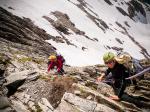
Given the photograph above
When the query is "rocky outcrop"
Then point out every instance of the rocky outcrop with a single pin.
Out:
(125, 32)
(5, 104)
(134, 8)
(22, 44)
(145, 1)
(22, 34)
(108, 1)
(63, 24)
(84, 104)
(84, 6)
(76, 91)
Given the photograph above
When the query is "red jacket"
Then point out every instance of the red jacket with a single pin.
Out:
(58, 64)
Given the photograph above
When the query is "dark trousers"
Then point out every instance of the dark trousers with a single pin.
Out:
(61, 72)
(137, 100)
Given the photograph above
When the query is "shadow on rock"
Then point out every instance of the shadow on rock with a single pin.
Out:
(12, 87)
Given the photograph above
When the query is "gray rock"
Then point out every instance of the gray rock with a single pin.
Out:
(101, 97)
(8, 109)
(103, 108)
(2, 81)
(77, 92)
(18, 76)
(35, 37)
(23, 97)
(26, 98)
(46, 103)
(91, 71)
(86, 105)
(105, 89)
(33, 77)
(4, 102)
(44, 108)
(67, 107)
(78, 77)
(90, 97)
(83, 104)
(31, 104)
(2, 67)
(19, 106)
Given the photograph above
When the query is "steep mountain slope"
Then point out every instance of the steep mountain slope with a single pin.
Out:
(21, 35)
(88, 28)
(25, 86)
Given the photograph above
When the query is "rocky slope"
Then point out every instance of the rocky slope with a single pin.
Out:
(26, 87)
(23, 35)
(33, 90)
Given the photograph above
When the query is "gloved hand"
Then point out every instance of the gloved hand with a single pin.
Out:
(99, 79)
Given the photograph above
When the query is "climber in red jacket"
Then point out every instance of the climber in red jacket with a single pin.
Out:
(56, 61)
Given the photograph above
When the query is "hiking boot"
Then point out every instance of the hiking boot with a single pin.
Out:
(132, 89)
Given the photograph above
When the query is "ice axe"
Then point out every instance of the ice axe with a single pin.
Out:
(139, 74)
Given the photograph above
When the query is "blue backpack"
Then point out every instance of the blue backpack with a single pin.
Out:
(129, 62)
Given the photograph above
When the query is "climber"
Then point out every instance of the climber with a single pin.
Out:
(56, 60)
(115, 75)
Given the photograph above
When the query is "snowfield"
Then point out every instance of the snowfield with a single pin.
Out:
(75, 55)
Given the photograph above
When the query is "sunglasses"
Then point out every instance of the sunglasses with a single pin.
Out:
(109, 62)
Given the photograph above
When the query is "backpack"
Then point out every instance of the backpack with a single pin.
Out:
(132, 64)
(60, 57)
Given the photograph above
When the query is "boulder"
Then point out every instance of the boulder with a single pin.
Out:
(100, 97)
(19, 76)
(4, 102)
(86, 105)
(67, 107)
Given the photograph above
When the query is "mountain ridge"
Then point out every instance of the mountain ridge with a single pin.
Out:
(25, 86)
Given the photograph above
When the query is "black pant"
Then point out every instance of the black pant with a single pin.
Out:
(137, 100)
(61, 72)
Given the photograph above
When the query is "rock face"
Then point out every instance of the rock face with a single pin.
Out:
(85, 105)
(21, 44)
(5, 104)
(63, 24)
(22, 34)
(77, 91)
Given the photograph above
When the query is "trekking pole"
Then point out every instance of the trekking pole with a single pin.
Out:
(139, 74)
